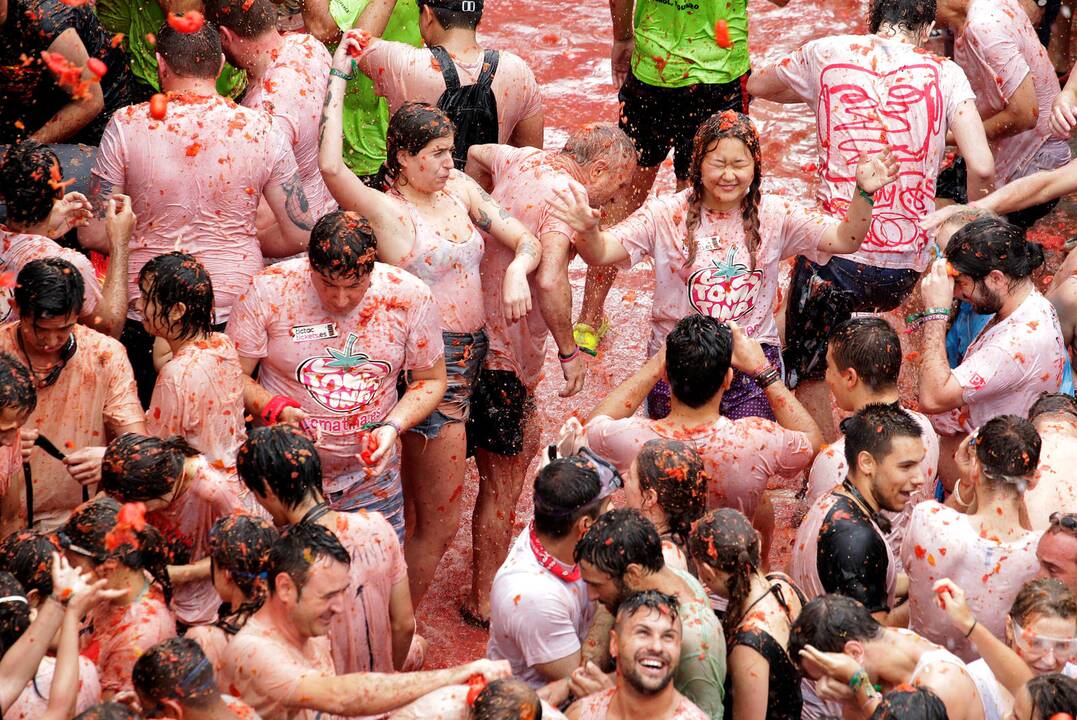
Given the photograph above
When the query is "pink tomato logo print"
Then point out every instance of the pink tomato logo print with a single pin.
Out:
(345, 380)
(726, 291)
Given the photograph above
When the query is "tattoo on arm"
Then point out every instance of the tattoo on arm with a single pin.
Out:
(529, 246)
(100, 193)
(483, 220)
(295, 203)
(324, 119)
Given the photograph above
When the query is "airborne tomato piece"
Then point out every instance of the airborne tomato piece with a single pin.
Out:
(189, 22)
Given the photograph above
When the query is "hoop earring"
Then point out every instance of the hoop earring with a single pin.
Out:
(957, 495)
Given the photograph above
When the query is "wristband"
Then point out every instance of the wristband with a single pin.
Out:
(975, 622)
(859, 678)
(570, 357)
(271, 412)
(337, 73)
(395, 426)
(767, 378)
(928, 312)
(866, 195)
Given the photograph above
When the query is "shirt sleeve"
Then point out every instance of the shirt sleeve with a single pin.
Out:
(802, 230)
(542, 629)
(424, 345)
(784, 452)
(991, 371)
(637, 233)
(619, 441)
(1003, 57)
(851, 560)
(798, 71)
(248, 326)
(110, 164)
(531, 96)
(166, 414)
(281, 157)
(957, 89)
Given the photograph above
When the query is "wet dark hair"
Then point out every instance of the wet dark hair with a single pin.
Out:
(86, 533)
(507, 699)
(725, 541)
(620, 538)
(727, 124)
(1053, 693)
(676, 473)
(283, 459)
(992, 244)
(14, 614)
(565, 490)
(872, 429)
(828, 622)
(1043, 596)
(1053, 404)
(908, 14)
(27, 554)
(241, 544)
(1008, 448)
(17, 388)
(652, 600)
(342, 245)
(194, 54)
(870, 346)
(49, 288)
(245, 18)
(298, 549)
(455, 19)
(906, 702)
(175, 278)
(414, 126)
(29, 177)
(176, 669)
(108, 711)
(699, 350)
(137, 467)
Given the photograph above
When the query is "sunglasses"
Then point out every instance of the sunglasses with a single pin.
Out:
(1036, 646)
(1067, 522)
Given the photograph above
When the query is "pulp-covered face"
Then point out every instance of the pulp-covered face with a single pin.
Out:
(836, 383)
(647, 649)
(340, 295)
(11, 419)
(47, 335)
(1057, 553)
(899, 473)
(428, 170)
(727, 173)
(984, 301)
(602, 587)
(1046, 643)
(321, 598)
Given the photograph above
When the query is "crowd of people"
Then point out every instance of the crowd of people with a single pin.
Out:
(275, 271)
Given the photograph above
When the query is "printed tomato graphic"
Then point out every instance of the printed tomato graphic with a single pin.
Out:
(726, 291)
(343, 381)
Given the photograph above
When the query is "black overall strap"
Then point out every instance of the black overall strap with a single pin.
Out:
(489, 67)
(448, 68)
(29, 495)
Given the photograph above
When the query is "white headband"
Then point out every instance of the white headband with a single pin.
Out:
(14, 598)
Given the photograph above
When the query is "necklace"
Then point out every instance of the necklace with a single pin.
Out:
(876, 518)
(551, 563)
(48, 378)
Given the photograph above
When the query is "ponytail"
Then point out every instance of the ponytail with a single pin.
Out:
(137, 468)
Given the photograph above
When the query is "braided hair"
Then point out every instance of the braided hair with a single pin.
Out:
(718, 127)
(725, 541)
(240, 544)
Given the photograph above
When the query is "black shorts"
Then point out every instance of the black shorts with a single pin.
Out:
(952, 185)
(660, 118)
(500, 407)
(822, 297)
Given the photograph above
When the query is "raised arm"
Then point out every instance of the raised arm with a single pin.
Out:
(1030, 190)
(319, 22)
(594, 246)
(971, 139)
(765, 83)
(939, 388)
(85, 104)
(873, 173)
(625, 399)
(111, 312)
(375, 16)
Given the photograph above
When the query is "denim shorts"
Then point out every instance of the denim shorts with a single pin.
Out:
(743, 398)
(464, 353)
(383, 494)
(821, 297)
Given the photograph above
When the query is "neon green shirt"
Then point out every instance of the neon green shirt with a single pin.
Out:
(138, 18)
(675, 44)
(366, 114)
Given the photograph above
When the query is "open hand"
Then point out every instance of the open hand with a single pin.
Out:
(839, 666)
(621, 60)
(573, 209)
(937, 287)
(73, 211)
(876, 171)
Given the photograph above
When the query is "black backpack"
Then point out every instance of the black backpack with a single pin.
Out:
(472, 108)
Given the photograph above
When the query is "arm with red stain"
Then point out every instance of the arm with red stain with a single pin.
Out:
(1020, 113)
(554, 299)
(873, 173)
(971, 138)
(595, 246)
(625, 399)
(767, 83)
(750, 673)
(76, 114)
(375, 16)
(939, 388)
(111, 312)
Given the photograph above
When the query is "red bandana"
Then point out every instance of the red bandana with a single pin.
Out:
(551, 563)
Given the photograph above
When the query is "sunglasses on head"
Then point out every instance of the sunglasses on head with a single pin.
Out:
(1067, 521)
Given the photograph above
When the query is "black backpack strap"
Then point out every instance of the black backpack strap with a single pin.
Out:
(489, 67)
(29, 495)
(448, 68)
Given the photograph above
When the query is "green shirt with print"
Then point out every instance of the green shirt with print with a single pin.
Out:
(366, 114)
(675, 44)
(701, 673)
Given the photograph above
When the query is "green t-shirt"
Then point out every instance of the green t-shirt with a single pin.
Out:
(138, 18)
(675, 44)
(366, 114)
(701, 673)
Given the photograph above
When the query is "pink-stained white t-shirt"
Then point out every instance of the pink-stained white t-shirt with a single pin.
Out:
(943, 543)
(199, 396)
(213, 642)
(719, 282)
(402, 73)
(362, 636)
(1011, 362)
(525, 182)
(185, 524)
(1055, 489)
(597, 706)
(450, 266)
(869, 93)
(292, 90)
(195, 180)
(535, 617)
(19, 249)
(998, 48)
(341, 369)
(123, 633)
(93, 398)
(740, 455)
(266, 669)
(830, 469)
(450, 703)
(30, 705)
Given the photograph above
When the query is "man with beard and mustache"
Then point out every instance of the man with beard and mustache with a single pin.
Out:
(646, 643)
(621, 554)
(1018, 355)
